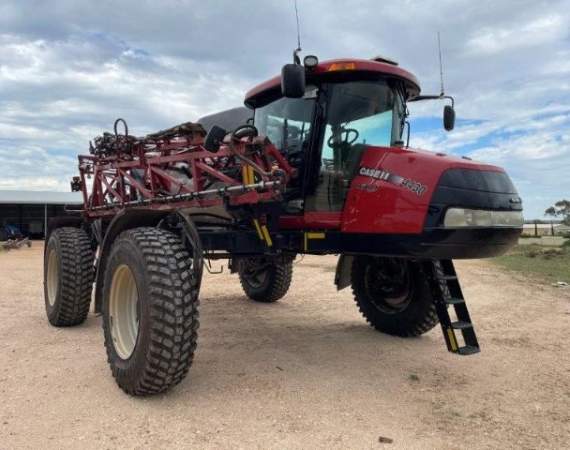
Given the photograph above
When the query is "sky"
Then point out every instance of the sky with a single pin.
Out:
(68, 68)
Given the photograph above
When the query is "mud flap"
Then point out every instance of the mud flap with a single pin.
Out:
(342, 277)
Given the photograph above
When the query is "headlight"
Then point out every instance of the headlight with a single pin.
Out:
(461, 217)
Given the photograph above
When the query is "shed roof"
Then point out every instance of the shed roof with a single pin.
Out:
(39, 197)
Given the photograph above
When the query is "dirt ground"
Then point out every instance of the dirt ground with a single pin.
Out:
(306, 372)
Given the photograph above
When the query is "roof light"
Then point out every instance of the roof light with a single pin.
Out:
(310, 61)
(341, 66)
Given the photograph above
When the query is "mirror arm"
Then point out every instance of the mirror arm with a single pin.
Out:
(419, 98)
(449, 97)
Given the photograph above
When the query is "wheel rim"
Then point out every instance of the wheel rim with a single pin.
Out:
(255, 271)
(389, 285)
(123, 311)
(52, 276)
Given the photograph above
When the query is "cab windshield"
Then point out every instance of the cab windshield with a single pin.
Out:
(361, 112)
(352, 115)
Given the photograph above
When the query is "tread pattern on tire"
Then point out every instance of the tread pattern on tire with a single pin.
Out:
(280, 280)
(419, 325)
(75, 277)
(173, 297)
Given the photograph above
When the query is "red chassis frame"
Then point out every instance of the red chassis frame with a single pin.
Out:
(263, 175)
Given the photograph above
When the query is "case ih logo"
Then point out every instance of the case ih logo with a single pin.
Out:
(383, 175)
(375, 173)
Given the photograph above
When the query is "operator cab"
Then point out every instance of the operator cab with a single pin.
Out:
(345, 107)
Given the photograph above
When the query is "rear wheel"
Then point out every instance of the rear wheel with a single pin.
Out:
(264, 279)
(68, 276)
(393, 295)
(150, 310)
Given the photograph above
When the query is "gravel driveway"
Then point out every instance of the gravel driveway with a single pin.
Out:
(306, 372)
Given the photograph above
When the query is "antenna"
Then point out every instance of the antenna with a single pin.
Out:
(440, 63)
(295, 56)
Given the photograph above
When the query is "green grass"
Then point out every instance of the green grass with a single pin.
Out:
(549, 263)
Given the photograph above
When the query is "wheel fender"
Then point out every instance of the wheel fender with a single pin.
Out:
(194, 244)
(124, 220)
(343, 270)
(128, 219)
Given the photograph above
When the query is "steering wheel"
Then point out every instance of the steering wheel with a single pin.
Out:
(246, 130)
(348, 139)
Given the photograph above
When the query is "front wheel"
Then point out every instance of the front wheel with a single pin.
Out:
(265, 280)
(150, 310)
(393, 295)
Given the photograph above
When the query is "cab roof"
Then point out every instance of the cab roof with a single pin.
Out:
(347, 68)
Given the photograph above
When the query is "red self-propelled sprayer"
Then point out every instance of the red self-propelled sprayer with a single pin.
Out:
(317, 163)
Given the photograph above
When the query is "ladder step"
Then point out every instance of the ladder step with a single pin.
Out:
(454, 301)
(447, 291)
(468, 350)
(460, 325)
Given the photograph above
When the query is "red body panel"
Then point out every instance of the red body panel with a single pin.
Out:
(388, 206)
(380, 206)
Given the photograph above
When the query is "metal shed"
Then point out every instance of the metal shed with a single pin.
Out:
(29, 211)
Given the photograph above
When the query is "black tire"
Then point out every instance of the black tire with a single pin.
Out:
(68, 276)
(166, 311)
(393, 295)
(265, 280)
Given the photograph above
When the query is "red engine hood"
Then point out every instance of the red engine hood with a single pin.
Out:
(392, 190)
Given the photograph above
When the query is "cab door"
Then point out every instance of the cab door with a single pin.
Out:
(355, 115)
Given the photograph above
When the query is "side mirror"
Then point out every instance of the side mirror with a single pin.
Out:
(293, 81)
(448, 117)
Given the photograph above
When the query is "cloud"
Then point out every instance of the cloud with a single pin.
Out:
(535, 150)
(539, 31)
(69, 68)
